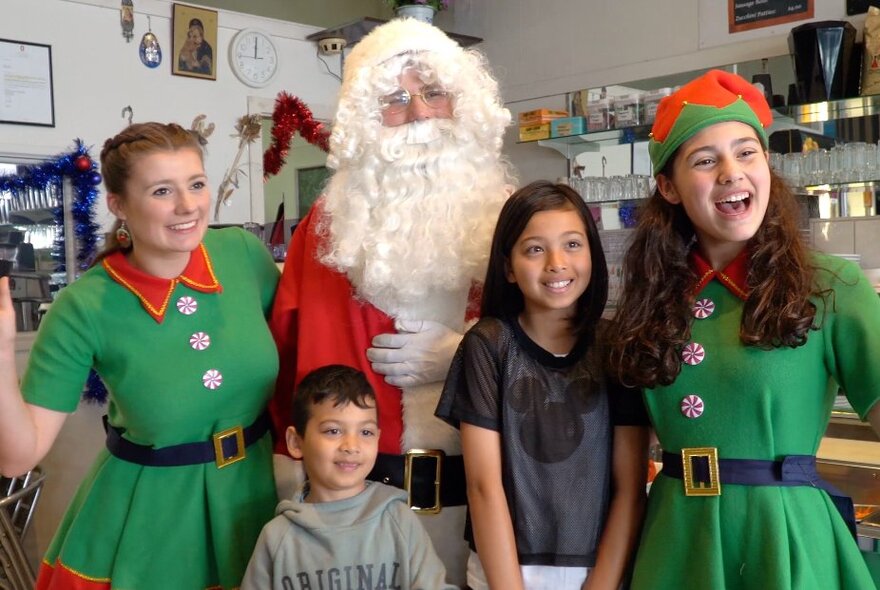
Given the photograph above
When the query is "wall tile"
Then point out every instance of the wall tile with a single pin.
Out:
(835, 236)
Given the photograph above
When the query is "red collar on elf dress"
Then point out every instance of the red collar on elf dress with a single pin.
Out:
(734, 277)
(154, 293)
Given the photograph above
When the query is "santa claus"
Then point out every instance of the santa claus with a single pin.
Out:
(383, 272)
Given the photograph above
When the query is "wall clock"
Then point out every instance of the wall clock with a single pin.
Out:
(253, 57)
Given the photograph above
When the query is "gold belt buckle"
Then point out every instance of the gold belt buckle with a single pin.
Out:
(219, 437)
(699, 488)
(412, 455)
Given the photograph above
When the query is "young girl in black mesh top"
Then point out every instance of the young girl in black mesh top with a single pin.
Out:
(555, 455)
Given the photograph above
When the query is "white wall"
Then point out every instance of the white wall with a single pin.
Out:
(97, 74)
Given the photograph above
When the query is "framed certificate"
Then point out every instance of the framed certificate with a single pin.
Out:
(26, 83)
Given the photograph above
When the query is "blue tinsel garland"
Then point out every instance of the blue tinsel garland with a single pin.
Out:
(85, 179)
(82, 170)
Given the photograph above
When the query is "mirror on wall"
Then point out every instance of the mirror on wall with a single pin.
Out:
(27, 221)
(28, 232)
(298, 183)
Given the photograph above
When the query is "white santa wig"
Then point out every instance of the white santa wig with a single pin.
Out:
(412, 208)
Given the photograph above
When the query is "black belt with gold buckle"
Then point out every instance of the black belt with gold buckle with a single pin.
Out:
(224, 448)
(431, 478)
(703, 473)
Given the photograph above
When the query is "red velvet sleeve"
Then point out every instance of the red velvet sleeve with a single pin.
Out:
(284, 325)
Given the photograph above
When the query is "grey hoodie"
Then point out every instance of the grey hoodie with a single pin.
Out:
(371, 541)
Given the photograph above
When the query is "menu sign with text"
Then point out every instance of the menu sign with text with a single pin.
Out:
(746, 15)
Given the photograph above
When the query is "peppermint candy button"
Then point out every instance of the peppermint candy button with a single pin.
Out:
(703, 308)
(212, 379)
(187, 305)
(200, 341)
(693, 353)
(692, 406)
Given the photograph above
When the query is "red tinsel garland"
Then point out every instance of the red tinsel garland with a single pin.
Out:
(291, 115)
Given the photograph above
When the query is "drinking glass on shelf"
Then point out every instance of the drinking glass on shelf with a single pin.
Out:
(871, 167)
(859, 161)
(876, 163)
(598, 189)
(646, 186)
(615, 188)
(630, 187)
(776, 162)
(822, 166)
(579, 184)
(840, 163)
(792, 166)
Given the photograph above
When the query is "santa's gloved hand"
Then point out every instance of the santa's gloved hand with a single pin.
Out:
(420, 353)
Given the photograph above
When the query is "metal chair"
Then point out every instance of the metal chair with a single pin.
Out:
(18, 500)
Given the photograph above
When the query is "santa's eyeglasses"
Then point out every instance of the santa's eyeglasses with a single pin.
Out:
(399, 100)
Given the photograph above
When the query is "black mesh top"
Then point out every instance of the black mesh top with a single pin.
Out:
(555, 416)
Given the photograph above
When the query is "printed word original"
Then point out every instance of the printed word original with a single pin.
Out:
(358, 577)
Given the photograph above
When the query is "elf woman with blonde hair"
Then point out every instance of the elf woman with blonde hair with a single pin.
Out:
(173, 319)
(742, 338)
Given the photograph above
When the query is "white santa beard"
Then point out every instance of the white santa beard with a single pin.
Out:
(411, 225)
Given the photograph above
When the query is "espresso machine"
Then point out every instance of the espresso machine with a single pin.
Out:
(827, 63)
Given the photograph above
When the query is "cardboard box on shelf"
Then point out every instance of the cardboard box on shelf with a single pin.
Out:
(567, 126)
(540, 116)
(534, 132)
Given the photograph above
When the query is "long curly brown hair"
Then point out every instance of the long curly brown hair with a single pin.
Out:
(653, 320)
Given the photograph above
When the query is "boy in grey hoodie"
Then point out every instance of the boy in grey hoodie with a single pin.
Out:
(341, 531)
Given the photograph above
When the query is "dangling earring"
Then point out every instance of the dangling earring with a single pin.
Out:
(123, 237)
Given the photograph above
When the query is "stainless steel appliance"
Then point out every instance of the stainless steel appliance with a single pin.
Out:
(30, 298)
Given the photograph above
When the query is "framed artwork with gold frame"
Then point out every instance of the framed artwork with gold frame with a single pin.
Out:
(193, 42)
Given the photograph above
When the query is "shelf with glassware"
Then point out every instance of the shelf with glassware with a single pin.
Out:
(593, 141)
(845, 178)
(846, 108)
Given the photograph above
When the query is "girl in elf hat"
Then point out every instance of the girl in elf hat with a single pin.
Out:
(742, 338)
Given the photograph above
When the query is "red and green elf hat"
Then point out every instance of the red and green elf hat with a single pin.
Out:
(715, 97)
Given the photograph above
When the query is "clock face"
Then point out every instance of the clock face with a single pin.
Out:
(253, 57)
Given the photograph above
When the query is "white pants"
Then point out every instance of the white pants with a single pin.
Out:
(535, 577)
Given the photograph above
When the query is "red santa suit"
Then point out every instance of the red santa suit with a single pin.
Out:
(317, 321)
(384, 263)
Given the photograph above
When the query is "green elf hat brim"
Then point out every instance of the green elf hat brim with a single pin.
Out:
(715, 97)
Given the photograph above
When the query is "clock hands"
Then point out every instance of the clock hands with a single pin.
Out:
(256, 56)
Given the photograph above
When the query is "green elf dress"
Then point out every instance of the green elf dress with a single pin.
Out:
(752, 403)
(182, 359)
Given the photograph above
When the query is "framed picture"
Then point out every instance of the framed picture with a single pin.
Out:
(26, 83)
(193, 42)
(309, 184)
